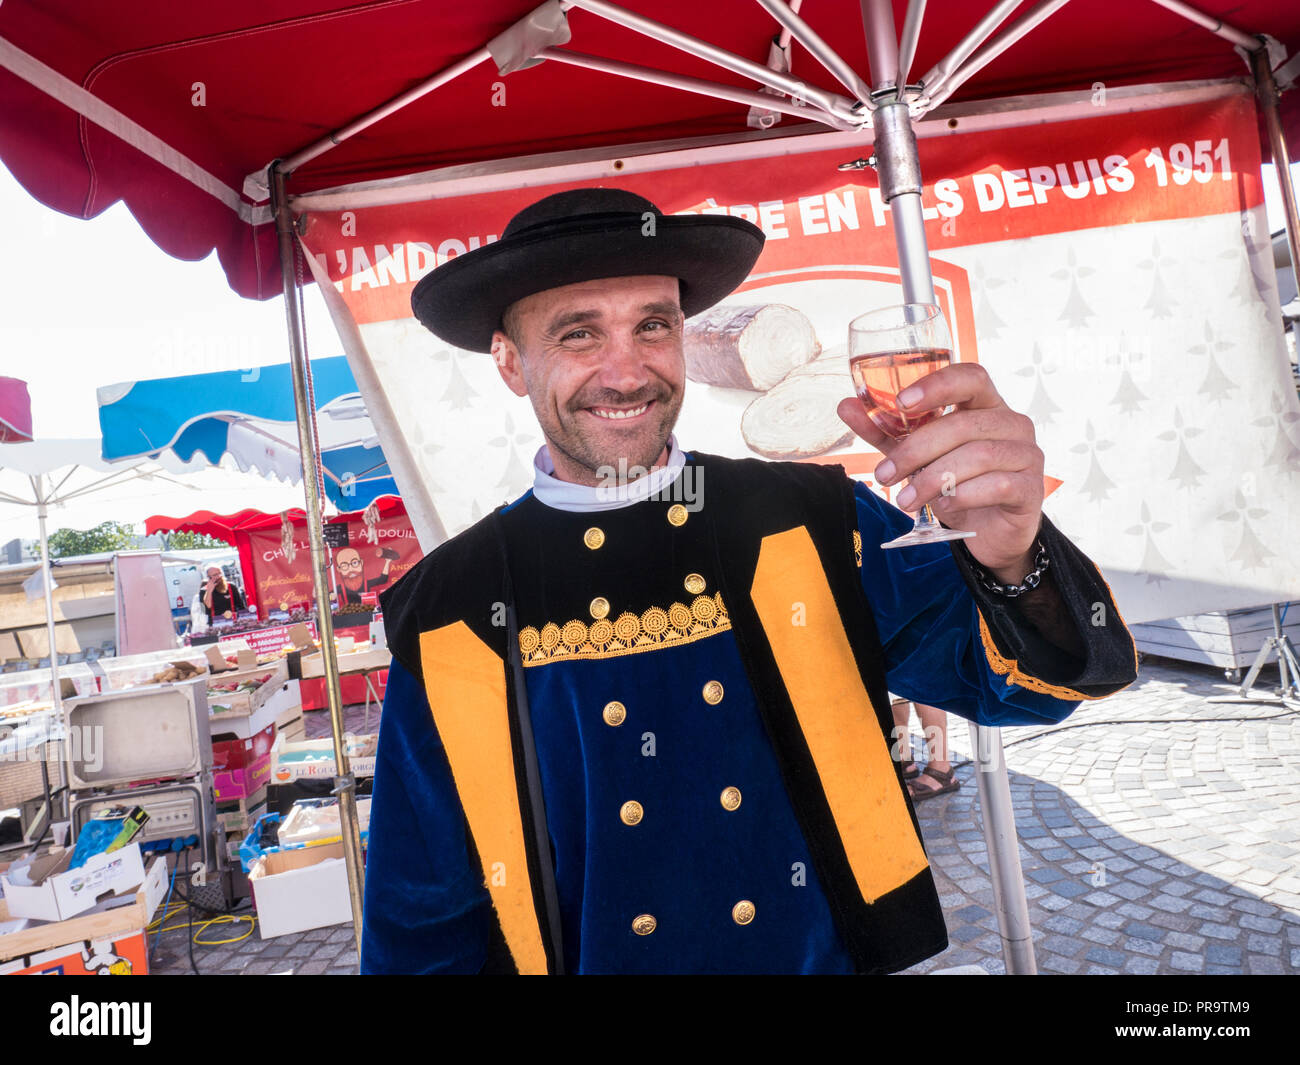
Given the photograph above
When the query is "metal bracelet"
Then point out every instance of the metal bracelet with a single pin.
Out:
(1013, 591)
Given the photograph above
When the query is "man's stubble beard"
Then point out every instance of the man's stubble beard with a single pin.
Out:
(602, 461)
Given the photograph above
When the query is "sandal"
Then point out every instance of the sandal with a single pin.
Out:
(947, 782)
(909, 770)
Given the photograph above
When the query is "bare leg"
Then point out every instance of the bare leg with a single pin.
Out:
(934, 724)
(901, 741)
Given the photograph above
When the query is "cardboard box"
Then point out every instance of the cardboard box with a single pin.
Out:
(115, 937)
(62, 893)
(242, 766)
(359, 661)
(314, 759)
(240, 815)
(291, 724)
(126, 954)
(300, 889)
(312, 825)
(282, 701)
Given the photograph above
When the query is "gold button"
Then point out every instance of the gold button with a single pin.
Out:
(631, 813)
(644, 924)
(713, 693)
(730, 798)
(599, 607)
(677, 514)
(694, 583)
(615, 713)
(594, 537)
(742, 912)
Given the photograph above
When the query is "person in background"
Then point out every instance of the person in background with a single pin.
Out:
(938, 776)
(221, 599)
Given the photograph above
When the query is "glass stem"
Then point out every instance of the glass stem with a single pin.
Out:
(926, 519)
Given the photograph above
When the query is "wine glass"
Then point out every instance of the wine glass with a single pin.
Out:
(890, 349)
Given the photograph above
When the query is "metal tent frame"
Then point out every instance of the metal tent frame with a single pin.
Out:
(882, 111)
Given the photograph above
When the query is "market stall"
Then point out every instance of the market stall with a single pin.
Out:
(373, 548)
(179, 748)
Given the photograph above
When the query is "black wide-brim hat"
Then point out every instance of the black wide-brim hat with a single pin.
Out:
(583, 235)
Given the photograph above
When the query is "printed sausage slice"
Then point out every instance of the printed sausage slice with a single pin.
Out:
(752, 347)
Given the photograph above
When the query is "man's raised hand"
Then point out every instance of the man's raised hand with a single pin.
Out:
(978, 467)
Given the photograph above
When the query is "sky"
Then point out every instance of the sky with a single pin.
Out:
(91, 303)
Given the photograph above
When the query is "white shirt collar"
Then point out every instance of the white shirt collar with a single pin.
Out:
(565, 495)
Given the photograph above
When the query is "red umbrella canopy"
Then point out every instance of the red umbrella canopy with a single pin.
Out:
(15, 411)
(233, 86)
(228, 527)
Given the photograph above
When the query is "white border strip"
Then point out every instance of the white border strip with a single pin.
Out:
(420, 506)
(91, 107)
(597, 164)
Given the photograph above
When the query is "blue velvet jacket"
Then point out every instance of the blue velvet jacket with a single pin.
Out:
(658, 740)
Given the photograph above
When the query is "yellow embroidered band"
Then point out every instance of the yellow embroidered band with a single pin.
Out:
(625, 635)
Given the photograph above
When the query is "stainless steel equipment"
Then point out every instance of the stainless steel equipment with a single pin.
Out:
(176, 811)
(158, 732)
(158, 738)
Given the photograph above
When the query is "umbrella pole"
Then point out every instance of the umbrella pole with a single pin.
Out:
(1266, 93)
(344, 783)
(38, 483)
(900, 187)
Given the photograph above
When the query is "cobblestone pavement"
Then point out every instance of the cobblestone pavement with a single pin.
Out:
(1162, 836)
(1167, 842)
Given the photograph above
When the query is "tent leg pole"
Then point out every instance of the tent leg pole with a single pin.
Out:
(999, 820)
(345, 783)
(1266, 95)
(56, 695)
(900, 187)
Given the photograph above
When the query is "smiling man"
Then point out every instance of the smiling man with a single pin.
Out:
(622, 735)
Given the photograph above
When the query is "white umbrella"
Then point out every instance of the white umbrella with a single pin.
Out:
(53, 473)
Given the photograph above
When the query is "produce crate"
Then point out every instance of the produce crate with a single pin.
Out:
(247, 700)
(246, 713)
(314, 759)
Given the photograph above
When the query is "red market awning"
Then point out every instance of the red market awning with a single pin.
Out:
(236, 529)
(219, 92)
(15, 411)
(228, 527)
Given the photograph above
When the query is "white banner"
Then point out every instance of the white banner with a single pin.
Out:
(1112, 273)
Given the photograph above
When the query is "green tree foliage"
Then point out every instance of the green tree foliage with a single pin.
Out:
(191, 541)
(106, 536)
